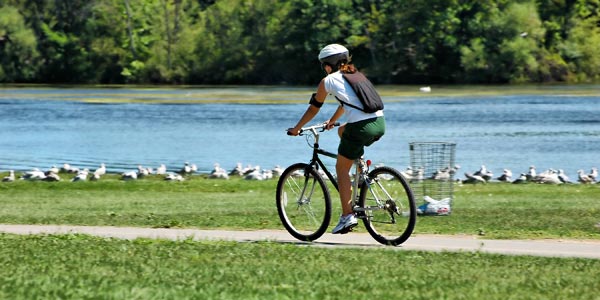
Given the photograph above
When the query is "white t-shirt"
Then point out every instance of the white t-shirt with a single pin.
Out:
(336, 85)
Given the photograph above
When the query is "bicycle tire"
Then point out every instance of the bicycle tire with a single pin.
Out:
(392, 221)
(308, 215)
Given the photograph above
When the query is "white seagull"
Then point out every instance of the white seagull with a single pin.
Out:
(161, 170)
(81, 176)
(484, 173)
(267, 174)
(130, 175)
(53, 169)
(187, 169)
(142, 172)
(100, 171)
(248, 169)
(10, 177)
(237, 171)
(563, 177)
(407, 174)
(443, 174)
(532, 173)
(51, 176)
(522, 179)
(174, 177)
(277, 171)
(218, 173)
(418, 174)
(34, 174)
(472, 178)
(66, 168)
(593, 174)
(506, 176)
(584, 178)
(255, 174)
(548, 177)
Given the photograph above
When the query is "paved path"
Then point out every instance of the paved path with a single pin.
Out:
(551, 248)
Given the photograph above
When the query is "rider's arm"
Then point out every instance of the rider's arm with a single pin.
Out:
(312, 109)
(336, 115)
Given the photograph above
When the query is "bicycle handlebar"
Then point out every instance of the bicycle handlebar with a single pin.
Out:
(321, 127)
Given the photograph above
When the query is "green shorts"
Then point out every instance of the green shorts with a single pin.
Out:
(360, 134)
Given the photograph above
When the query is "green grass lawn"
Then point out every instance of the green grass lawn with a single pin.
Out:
(84, 267)
(495, 210)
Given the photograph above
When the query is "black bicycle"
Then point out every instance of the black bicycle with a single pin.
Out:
(381, 197)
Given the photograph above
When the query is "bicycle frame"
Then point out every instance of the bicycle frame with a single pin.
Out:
(316, 161)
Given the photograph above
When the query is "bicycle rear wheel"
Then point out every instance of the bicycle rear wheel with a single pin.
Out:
(390, 212)
(303, 202)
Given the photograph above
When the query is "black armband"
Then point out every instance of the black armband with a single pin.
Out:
(313, 101)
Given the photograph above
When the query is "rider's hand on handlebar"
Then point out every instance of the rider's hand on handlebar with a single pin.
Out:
(293, 131)
(329, 124)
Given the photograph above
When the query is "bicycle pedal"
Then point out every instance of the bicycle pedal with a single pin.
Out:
(347, 230)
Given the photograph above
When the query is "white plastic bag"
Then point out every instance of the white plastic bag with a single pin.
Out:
(435, 207)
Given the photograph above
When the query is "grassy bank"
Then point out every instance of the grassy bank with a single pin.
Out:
(83, 267)
(492, 210)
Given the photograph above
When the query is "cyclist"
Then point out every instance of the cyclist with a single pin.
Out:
(362, 129)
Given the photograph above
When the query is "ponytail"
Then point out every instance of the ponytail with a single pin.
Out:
(347, 68)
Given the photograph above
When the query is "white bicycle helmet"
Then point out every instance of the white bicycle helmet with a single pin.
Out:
(332, 54)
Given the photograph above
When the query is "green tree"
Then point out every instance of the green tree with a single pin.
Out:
(555, 15)
(309, 26)
(220, 50)
(110, 46)
(173, 31)
(268, 41)
(18, 54)
(580, 50)
(508, 48)
(251, 47)
(65, 44)
(420, 41)
(124, 34)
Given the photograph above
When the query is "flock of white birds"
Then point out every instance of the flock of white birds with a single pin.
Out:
(53, 174)
(549, 176)
(484, 175)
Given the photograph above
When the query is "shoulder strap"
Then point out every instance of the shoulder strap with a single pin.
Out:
(354, 78)
(346, 103)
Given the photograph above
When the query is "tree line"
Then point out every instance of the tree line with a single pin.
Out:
(277, 42)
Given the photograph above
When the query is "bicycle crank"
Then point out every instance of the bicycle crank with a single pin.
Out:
(392, 208)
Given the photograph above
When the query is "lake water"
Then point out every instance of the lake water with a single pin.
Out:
(44, 127)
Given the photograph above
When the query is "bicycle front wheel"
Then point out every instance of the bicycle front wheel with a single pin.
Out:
(303, 202)
(389, 207)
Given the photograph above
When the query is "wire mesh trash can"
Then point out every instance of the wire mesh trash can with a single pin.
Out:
(431, 176)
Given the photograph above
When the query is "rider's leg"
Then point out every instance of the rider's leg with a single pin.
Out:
(347, 219)
(342, 168)
(341, 130)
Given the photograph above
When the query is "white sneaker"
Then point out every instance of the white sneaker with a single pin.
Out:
(346, 223)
